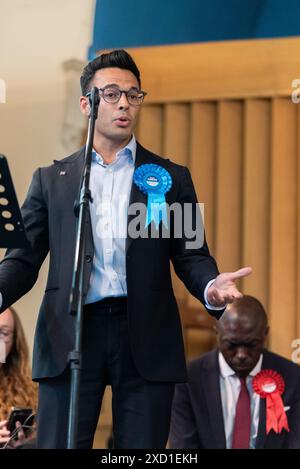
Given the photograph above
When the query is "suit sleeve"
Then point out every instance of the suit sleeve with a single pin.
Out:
(293, 437)
(20, 267)
(183, 429)
(193, 264)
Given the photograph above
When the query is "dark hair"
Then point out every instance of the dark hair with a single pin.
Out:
(117, 58)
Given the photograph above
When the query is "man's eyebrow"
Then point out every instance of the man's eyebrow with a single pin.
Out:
(115, 85)
(111, 84)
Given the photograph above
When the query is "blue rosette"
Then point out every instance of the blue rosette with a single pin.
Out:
(154, 181)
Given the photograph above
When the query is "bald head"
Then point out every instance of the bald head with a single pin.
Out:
(247, 311)
(241, 334)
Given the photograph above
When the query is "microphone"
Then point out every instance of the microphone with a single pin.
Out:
(94, 100)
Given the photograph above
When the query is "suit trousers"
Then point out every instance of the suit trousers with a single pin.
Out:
(141, 409)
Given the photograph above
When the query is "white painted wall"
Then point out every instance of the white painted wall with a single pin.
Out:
(36, 37)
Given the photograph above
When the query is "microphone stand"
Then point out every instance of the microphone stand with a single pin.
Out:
(81, 209)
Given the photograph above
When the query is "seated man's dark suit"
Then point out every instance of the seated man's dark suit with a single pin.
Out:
(197, 417)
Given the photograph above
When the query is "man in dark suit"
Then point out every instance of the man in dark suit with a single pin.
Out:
(131, 330)
(206, 408)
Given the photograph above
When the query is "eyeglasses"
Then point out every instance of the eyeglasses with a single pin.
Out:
(112, 95)
(6, 335)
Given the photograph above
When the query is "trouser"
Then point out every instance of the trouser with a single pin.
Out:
(141, 409)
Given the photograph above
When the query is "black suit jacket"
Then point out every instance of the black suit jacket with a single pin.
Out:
(197, 417)
(154, 323)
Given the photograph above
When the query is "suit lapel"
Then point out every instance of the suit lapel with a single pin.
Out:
(212, 394)
(70, 172)
(261, 433)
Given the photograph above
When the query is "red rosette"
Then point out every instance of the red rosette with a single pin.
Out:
(270, 385)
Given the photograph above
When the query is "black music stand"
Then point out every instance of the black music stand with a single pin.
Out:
(12, 232)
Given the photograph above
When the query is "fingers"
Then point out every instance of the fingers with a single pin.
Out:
(21, 434)
(215, 298)
(220, 298)
(243, 272)
(231, 296)
(4, 433)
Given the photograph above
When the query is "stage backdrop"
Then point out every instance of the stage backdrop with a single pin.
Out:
(158, 22)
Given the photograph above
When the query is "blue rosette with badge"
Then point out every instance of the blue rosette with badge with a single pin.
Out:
(154, 181)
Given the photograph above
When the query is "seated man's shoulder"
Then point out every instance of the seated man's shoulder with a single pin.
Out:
(207, 361)
(282, 365)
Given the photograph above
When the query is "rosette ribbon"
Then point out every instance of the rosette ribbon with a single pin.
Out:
(154, 181)
(270, 385)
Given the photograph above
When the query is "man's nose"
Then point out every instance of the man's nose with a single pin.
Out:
(241, 354)
(123, 102)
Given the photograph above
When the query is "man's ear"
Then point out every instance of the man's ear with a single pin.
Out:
(84, 105)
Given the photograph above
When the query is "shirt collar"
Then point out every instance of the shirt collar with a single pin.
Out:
(226, 370)
(129, 150)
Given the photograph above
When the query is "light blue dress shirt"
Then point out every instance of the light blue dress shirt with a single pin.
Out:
(110, 186)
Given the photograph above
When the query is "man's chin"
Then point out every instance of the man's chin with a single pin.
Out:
(242, 370)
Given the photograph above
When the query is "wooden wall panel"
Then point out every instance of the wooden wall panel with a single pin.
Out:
(176, 141)
(202, 165)
(150, 127)
(283, 273)
(256, 198)
(229, 185)
(177, 146)
(219, 70)
(297, 311)
(203, 144)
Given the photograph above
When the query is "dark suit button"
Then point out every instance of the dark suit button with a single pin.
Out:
(88, 258)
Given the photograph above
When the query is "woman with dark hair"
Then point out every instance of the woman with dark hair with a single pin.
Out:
(16, 387)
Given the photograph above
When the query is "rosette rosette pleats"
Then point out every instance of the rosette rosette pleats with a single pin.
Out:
(154, 181)
(270, 385)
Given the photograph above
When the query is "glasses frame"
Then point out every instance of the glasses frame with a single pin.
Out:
(101, 91)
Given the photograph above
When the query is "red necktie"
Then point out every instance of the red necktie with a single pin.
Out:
(242, 422)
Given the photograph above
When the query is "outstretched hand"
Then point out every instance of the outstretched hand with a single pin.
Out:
(223, 290)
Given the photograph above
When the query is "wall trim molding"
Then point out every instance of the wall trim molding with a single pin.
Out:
(219, 70)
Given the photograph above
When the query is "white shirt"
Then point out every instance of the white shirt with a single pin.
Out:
(230, 388)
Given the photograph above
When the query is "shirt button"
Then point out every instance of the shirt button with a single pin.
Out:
(88, 258)
(108, 251)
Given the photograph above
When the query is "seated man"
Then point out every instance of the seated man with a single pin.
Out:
(218, 407)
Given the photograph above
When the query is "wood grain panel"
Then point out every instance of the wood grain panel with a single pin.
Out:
(222, 70)
(203, 137)
(283, 227)
(229, 186)
(256, 200)
(176, 147)
(150, 127)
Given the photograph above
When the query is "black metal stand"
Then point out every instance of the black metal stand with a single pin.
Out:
(81, 209)
(12, 232)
